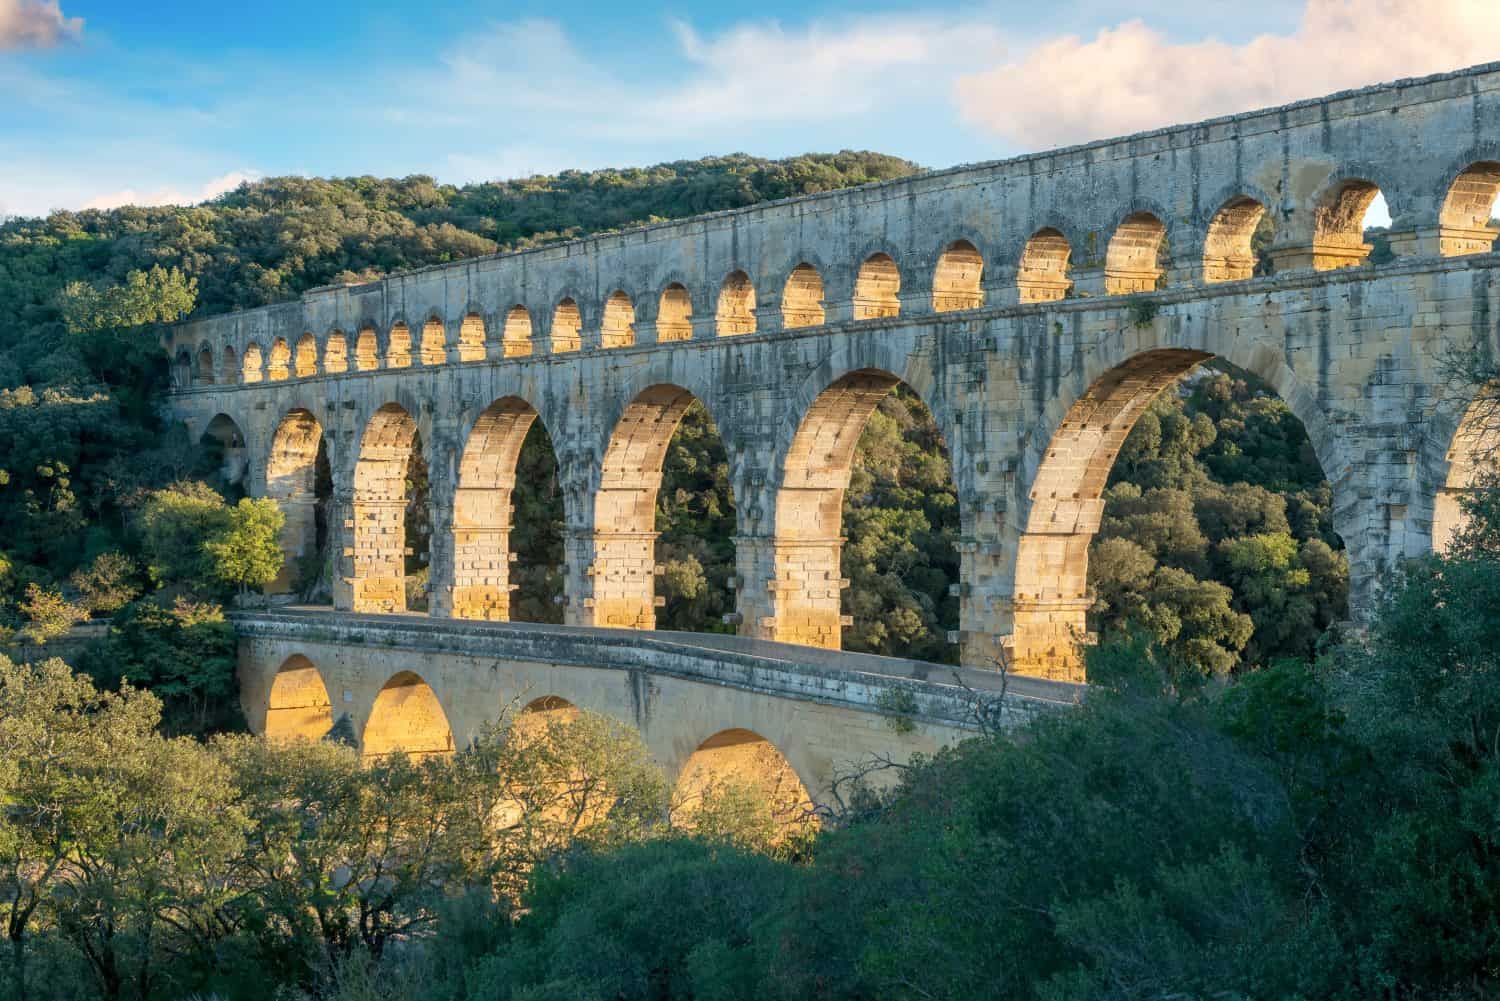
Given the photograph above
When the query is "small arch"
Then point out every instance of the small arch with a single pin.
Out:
(674, 314)
(398, 348)
(367, 350)
(566, 324)
(1465, 222)
(540, 715)
(407, 718)
(299, 707)
(336, 354)
(306, 362)
(292, 481)
(471, 338)
(224, 437)
(1228, 249)
(434, 346)
(482, 510)
(802, 298)
(280, 364)
(1472, 459)
(736, 312)
(229, 365)
(205, 370)
(617, 329)
(741, 765)
(515, 337)
(182, 369)
(381, 489)
(1043, 276)
(956, 281)
(253, 369)
(1339, 226)
(1134, 261)
(877, 288)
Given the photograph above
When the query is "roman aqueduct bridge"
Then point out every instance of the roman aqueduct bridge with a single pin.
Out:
(1036, 305)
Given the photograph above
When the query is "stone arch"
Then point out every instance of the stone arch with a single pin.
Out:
(877, 288)
(956, 279)
(617, 327)
(204, 372)
(223, 435)
(741, 761)
(515, 338)
(471, 337)
(1133, 261)
(674, 314)
(1464, 223)
(1339, 224)
(482, 510)
(305, 363)
(380, 501)
(366, 350)
(539, 714)
(182, 369)
(1043, 276)
(567, 323)
(297, 447)
(407, 718)
(433, 348)
(253, 367)
(1228, 254)
(336, 354)
(1472, 457)
(802, 298)
(398, 346)
(299, 707)
(279, 362)
(736, 310)
(229, 365)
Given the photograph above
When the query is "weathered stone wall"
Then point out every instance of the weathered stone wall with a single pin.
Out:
(948, 282)
(301, 670)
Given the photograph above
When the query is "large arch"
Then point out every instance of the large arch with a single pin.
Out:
(802, 298)
(624, 536)
(482, 510)
(223, 435)
(299, 707)
(407, 718)
(1472, 458)
(742, 769)
(1464, 225)
(956, 280)
(297, 449)
(380, 503)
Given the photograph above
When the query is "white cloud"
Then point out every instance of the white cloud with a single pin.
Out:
(172, 195)
(35, 24)
(1132, 77)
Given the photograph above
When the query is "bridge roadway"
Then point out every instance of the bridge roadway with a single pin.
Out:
(429, 684)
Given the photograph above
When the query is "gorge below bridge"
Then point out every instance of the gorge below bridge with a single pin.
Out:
(1036, 306)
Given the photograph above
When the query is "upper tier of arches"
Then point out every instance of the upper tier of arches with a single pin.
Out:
(1139, 246)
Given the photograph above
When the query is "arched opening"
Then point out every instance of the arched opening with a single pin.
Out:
(877, 288)
(398, 349)
(515, 339)
(1339, 227)
(471, 338)
(253, 369)
(540, 715)
(298, 479)
(867, 455)
(434, 344)
(1136, 259)
(1043, 276)
(225, 444)
(566, 323)
(336, 354)
(205, 370)
(367, 350)
(955, 283)
(306, 362)
(802, 298)
(390, 515)
(628, 550)
(407, 719)
(1467, 224)
(617, 329)
(229, 365)
(736, 312)
(537, 531)
(674, 315)
(482, 510)
(182, 369)
(1473, 458)
(1229, 252)
(739, 780)
(280, 364)
(1198, 516)
(299, 707)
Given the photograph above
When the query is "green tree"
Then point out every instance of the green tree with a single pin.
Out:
(174, 525)
(247, 552)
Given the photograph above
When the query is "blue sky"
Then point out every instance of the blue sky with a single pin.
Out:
(113, 102)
